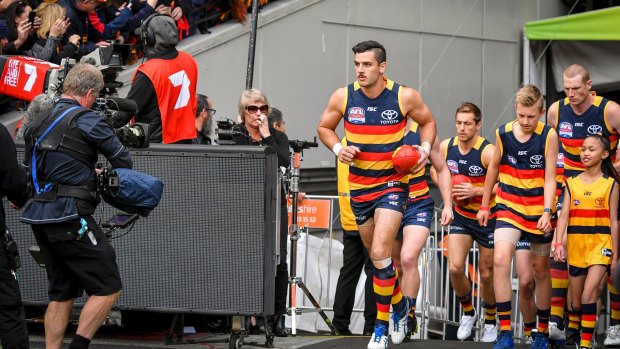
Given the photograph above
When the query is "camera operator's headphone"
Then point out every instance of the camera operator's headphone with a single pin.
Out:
(146, 34)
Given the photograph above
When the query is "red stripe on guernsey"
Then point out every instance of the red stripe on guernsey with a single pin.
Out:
(523, 174)
(614, 305)
(572, 142)
(521, 200)
(415, 187)
(476, 180)
(517, 219)
(368, 156)
(383, 308)
(589, 213)
(375, 129)
(384, 283)
(573, 164)
(372, 196)
(374, 180)
(471, 215)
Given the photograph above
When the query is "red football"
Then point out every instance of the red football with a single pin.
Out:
(405, 158)
(460, 179)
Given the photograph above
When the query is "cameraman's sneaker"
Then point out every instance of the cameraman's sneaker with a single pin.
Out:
(555, 333)
(540, 341)
(504, 341)
(489, 333)
(399, 321)
(613, 336)
(379, 339)
(467, 323)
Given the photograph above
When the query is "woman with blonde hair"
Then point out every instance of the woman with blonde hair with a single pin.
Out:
(50, 34)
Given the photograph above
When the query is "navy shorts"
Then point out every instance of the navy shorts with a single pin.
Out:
(418, 212)
(523, 244)
(393, 198)
(74, 266)
(578, 271)
(482, 235)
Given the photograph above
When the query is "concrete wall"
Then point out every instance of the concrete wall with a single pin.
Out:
(451, 51)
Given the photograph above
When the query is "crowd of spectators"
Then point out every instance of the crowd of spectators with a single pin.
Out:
(56, 29)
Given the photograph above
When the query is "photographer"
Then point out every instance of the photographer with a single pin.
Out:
(255, 130)
(62, 146)
(13, 184)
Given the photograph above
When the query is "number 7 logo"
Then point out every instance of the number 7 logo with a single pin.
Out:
(180, 78)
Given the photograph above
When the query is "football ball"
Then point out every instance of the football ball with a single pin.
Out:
(460, 179)
(405, 158)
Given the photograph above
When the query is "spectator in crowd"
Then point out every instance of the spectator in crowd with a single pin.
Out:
(354, 259)
(54, 25)
(13, 185)
(255, 130)
(82, 260)
(19, 28)
(204, 119)
(164, 87)
(77, 12)
(4, 33)
(110, 20)
(276, 121)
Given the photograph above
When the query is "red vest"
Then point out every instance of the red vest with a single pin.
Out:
(175, 82)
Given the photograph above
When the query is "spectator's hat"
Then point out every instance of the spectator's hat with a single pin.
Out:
(4, 30)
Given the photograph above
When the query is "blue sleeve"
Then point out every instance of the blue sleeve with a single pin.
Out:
(102, 135)
(118, 24)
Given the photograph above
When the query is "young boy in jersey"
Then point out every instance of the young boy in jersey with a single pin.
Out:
(525, 161)
(587, 234)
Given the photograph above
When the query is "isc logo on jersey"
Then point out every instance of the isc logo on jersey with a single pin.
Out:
(566, 130)
(357, 115)
(453, 166)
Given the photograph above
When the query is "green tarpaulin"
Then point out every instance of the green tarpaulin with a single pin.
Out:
(594, 25)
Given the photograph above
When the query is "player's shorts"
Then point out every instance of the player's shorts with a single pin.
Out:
(523, 244)
(391, 195)
(467, 226)
(577, 271)
(417, 212)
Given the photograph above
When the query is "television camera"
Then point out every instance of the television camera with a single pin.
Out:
(25, 78)
(226, 131)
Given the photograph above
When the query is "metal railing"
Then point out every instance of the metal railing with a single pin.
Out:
(440, 307)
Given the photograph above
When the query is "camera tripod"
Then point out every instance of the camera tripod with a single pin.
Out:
(294, 281)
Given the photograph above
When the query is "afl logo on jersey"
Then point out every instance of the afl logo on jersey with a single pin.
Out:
(357, 115)
(560, 160)
(576, 202)
(565, 130)
(594, 129)
(512, 160)
(475, 170)
(453, 166)
(389, 117)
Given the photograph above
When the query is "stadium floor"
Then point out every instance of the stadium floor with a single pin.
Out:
(257, 341)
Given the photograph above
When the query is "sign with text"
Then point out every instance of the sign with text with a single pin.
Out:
(311, 213)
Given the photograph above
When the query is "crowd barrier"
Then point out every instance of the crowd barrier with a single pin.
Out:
(438, 311)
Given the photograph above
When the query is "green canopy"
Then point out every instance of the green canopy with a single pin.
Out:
(593, 25)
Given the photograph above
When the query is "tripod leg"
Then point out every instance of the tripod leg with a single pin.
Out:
(317, 307)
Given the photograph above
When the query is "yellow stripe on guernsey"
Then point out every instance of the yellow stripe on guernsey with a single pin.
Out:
(347, 219)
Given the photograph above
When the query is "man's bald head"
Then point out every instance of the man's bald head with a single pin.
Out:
(577, 70)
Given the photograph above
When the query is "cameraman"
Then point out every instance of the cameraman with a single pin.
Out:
(13, 184)
(76, 252)
(164, 87)
(255, 130)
